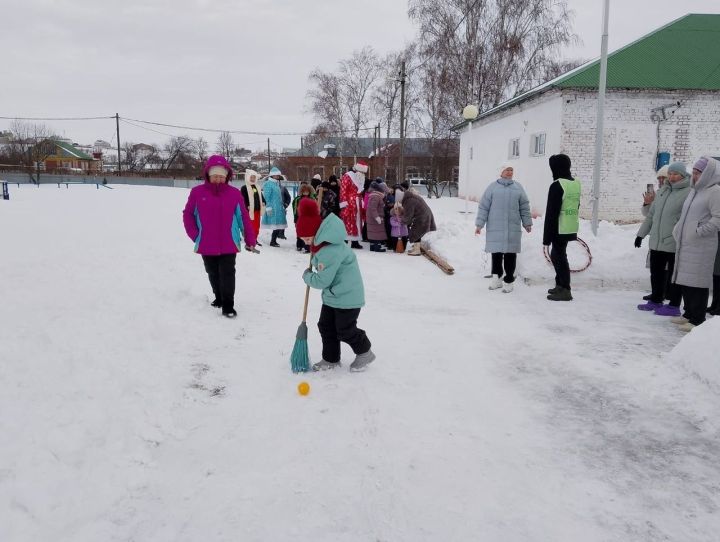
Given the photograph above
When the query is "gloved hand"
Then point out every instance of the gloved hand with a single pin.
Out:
(638, 242)
(378, 220)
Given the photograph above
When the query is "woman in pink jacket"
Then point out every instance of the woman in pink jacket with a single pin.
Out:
(215, 218)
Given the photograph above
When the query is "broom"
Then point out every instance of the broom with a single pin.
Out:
(300, 357)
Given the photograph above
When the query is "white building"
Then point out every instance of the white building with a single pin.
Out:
(663, 97)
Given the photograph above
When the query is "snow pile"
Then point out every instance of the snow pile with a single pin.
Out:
(698, 352)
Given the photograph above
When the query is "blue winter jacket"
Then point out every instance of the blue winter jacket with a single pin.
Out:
(503, 210)
(337, 271)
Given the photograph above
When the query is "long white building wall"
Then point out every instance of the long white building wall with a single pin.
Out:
(485, 144)
(631, 142)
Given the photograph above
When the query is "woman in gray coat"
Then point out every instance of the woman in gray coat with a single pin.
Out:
(661, 219)
(696, 234)
(504, 208)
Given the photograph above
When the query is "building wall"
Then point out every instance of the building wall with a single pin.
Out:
(485, 146)
(630, 141)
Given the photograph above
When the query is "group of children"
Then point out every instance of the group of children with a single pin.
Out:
(382, 214)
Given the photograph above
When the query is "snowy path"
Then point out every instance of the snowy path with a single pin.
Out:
(130, 411)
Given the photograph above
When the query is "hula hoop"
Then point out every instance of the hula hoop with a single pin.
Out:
(583, 244)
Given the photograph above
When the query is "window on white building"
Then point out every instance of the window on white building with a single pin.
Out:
(514, 148)
(537, 145)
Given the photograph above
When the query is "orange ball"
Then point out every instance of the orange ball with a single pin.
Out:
(303, 388)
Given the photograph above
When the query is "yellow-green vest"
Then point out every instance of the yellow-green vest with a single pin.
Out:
(569, 219)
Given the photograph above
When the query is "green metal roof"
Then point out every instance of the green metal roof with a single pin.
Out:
(684, 54)
(73, 151)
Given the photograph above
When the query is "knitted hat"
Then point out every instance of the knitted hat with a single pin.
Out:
(217, 170)
(214, 161)
(317, 176)
(308, 218)
(701, 164)
(361, 166)
(677, 167)
(662, 172)
(506, 165)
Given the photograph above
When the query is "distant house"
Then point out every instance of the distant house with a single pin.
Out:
(69, 159)
(662, 103)
(422, 159)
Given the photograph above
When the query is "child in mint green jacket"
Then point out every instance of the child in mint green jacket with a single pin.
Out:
(337, 274)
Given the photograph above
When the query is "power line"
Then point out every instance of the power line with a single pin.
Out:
(57, 118)
(242, 132)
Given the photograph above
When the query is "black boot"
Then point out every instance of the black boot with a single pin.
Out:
(562, 294)
(554, 290)
(273, 239)
(355, 244)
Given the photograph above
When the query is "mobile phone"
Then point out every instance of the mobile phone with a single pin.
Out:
(650, 188)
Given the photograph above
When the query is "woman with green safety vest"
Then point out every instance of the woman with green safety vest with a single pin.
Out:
(562, 222)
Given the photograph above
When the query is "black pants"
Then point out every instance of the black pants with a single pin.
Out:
(558, 257)
(715, 305)
(659, 262)
(508, 260)
(696, 300)
(221, 272)
(337, 325)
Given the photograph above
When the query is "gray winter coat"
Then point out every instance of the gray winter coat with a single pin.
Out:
(502, 211)
(418, 217)
(663, 215)
(696, 232)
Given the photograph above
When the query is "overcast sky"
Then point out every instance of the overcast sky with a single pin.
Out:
(225, 64)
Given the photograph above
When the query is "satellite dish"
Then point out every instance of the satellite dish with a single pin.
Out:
(323, 154)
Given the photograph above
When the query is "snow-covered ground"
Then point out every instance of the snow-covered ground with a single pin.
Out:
(131, 411)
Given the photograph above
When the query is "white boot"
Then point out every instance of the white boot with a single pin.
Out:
(495, 283)
(507, 287)
(415, 250)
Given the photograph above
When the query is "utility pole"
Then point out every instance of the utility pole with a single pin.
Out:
(268, 156)
(599, 124)
(401, 168)
(117, 130)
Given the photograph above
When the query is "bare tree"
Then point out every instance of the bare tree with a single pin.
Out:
(225, 144)
(386, 94)
(176, 152)
(201, 149)
(357, 77)
(31, 145)
(326, 101)
(495, 49)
